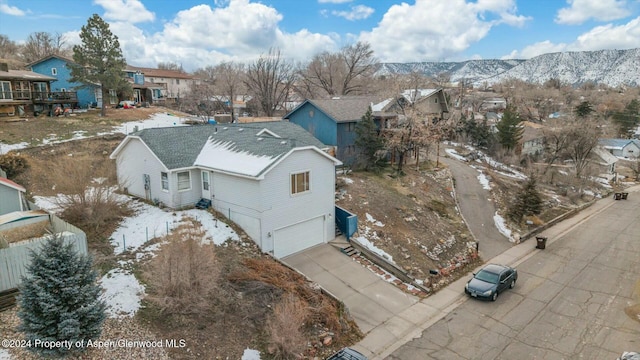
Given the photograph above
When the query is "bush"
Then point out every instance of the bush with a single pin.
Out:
(13, 164)
(185, 273)
(285, 328)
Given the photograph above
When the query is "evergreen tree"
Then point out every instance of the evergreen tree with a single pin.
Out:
(509, 129)
(527, 202)
(59, 299)
(584, 109)
(99, 60)
(369, 143)
(628, 119)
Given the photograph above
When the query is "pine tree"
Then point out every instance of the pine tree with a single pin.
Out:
(509, 129)
(59, 299)
(584, 109)
(527, 202)
(628, 119)
(368, 142)
(99, 60)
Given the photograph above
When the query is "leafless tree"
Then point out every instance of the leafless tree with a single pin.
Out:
(269, 80)
(41, 44)
(229, 82)
(341, 73)
(170, 66)
(582, 141)
(9, 51)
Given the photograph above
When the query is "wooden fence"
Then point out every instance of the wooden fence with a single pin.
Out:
(15, 258)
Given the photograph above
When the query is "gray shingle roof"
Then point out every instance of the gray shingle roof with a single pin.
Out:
(179, 147)
(345, 108)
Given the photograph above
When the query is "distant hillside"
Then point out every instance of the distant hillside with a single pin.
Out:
(609, 67)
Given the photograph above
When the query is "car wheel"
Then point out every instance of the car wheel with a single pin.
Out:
(494, 296)
(513, 283)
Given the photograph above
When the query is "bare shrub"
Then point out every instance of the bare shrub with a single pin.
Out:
(87, 193)
(184, 273)
(13, 164)
(286, 337)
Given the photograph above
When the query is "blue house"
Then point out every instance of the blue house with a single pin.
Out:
(333, 121)
(56, 67)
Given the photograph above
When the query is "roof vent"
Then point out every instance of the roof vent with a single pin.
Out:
(283, 142)
(335, 98)
(225, 128)
(259, 139)
(240, 129)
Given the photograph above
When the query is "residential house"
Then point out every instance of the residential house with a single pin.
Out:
(604, 162)
(85, 94)
(333, 121)
(163, 85)
(429, 104)
(622, 148)
(532, 142)
(273, 179)
(23, 91)
(13, 197)
(493, 104)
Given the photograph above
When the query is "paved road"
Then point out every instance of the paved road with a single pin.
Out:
(477, 209)
(569, 302)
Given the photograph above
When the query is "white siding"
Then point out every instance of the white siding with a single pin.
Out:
(282, 209)
(631, 151)
(132, 162)
(238, 199)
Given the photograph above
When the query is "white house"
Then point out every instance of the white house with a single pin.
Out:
(12, 196)
(623, 148)
(273, 179)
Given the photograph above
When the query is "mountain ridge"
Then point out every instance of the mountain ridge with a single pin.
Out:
(609, 67)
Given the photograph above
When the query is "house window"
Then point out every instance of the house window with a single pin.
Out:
(54, 71)
(113, 97)
(436, 99)
(164, 179)
(5, 90)
(205, 181)
(351, 127)
(177, 81)
(299, 182)
(184, 181)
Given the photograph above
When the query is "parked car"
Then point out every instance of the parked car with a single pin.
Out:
(347, 354)
(490, 281)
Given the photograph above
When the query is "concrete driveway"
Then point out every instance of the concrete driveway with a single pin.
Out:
(371, 300)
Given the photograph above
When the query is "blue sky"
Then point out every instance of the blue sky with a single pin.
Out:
(199, 33)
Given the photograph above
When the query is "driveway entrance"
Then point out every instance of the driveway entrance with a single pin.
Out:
(371, 300)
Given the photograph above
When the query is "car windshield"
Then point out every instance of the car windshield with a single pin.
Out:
(487, 276)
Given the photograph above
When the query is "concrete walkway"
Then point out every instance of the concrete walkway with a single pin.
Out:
(372, 301)
(381, 341)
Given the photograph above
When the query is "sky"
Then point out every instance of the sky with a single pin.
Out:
(198, 33)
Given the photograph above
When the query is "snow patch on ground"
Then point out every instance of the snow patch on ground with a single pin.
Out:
(484, 181)
(347, 180)
(374, 221)
(454, 154)
(158, 120)
(366, 239)
(500, 225)
(250, 354)
(122, 293)
(5, 148)
(4, 354)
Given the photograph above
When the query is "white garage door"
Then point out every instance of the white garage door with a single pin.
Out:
(294, 238)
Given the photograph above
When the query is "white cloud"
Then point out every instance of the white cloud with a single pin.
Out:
(203, 35)
(11, 10)
(436, 30)
(625, 36)
(131, 11)
(334, 1)
(357, 12)
(580, 11)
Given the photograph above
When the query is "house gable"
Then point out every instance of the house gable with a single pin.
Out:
(316, 121)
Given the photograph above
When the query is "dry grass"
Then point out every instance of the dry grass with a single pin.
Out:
(184, 273)
(25, 232)
(286, 337)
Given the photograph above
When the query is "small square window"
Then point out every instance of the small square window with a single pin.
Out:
(300, 182)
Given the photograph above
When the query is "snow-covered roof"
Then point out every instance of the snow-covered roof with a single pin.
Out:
(248, 149)
(606, 156)
(617, 144)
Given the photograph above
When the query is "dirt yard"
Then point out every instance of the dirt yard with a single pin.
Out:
(414, 218)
